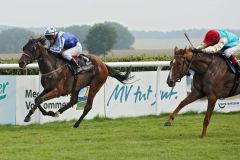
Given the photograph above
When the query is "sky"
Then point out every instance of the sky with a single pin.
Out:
(147, 15)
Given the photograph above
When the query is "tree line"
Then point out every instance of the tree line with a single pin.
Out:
(97, 39)
(193, 33)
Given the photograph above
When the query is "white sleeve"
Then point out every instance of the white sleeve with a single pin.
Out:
(217, 47)
(58, 47)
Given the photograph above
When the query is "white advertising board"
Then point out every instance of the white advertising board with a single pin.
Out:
(134, 99)
(27, 88)
(114, 100)
(170, 97)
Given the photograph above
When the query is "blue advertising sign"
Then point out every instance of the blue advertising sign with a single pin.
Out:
(7, 99)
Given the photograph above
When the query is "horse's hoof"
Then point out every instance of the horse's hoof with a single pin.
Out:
(51, 113)
(167, 123)
(27, 119)
(75, 125)
(56, 114)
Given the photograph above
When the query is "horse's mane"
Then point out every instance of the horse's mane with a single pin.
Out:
(200, 53)
(40, 39)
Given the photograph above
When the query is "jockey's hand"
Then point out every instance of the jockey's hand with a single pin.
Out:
(49, 51)
(195, 50)
(210, 50)
(207, 51)
(203, 50)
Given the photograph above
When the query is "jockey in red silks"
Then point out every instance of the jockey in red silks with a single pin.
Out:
(216, 40)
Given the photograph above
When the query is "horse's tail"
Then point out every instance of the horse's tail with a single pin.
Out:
(118, 75)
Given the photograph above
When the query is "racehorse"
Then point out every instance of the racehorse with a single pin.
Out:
(57, 78)
(212, 79)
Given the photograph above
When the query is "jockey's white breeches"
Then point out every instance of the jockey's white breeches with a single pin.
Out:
(67, 54)
(230, 51)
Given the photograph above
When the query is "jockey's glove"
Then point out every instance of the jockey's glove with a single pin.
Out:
(201, 46)
(49, 51)
(195, 50)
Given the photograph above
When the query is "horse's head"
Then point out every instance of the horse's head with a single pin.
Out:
(179, 65)
(31, 51)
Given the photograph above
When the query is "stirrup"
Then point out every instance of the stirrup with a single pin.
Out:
(87, 67)
(79, 69)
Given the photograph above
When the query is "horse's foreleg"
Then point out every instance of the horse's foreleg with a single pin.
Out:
(194, 95)
(211, 104)
(32, 110)
(44, 96)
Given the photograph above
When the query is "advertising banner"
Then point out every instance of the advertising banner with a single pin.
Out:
(146, 94)
(170, 97)
(7, 99)
(134, 99)
(27, 90)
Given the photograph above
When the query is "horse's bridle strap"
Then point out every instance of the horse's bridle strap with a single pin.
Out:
(59, 68)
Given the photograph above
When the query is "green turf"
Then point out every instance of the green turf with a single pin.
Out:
(142, 138)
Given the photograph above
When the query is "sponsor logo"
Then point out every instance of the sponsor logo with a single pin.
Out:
(122, 93)
(3, 87)
(30, 95)
(228, 104)
(82, 98)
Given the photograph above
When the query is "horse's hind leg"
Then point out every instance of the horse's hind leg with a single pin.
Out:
(194, 95)
(92, 92)
(73, 101)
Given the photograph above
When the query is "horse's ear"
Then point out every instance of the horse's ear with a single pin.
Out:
(175, 49)
(42, 40)
(185, 49)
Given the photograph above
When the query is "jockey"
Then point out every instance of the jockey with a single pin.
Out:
(65, 44)
(216, 40)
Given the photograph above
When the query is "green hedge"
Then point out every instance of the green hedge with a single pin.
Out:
(125, 59)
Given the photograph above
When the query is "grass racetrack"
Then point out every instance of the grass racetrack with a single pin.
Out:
(142, 138)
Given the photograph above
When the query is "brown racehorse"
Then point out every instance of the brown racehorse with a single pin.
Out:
(212, 79)
(58, 80)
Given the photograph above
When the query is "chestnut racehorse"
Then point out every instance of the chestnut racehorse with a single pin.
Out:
(212, 79)
(57, 78)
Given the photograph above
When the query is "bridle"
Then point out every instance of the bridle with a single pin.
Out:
(188, 64)
(34, 56)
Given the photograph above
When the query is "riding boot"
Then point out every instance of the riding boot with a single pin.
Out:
(235, 63)
(76, 67)
(237, 67)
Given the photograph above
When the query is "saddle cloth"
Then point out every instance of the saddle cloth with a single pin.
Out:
(84, 62)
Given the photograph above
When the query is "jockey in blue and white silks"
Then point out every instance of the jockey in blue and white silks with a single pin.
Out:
(216, 40)
(63, 43)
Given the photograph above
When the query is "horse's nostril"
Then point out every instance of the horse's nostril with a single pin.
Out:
(170, 82)
(21, 64)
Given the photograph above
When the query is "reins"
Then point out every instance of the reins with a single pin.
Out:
(59, 68)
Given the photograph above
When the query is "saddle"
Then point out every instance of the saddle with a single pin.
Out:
(235, 71)
(84, 62)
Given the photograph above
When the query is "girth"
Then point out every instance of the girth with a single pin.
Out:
(236, 82)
